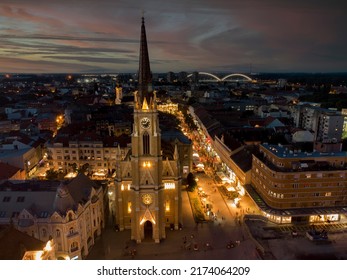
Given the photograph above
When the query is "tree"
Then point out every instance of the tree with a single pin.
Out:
(84, 168)
(191, 182)
(51, 174)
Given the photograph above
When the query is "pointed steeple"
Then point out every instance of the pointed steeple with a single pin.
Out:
(145, 76)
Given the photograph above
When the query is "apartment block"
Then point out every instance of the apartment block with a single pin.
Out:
(299, 186)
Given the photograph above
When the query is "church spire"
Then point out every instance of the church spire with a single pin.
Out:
(145, 76)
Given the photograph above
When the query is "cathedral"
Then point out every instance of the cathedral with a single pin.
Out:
(147, 187)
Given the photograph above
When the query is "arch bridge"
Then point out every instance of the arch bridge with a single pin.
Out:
(215, 78)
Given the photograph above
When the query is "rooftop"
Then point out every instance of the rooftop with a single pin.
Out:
(287, 151)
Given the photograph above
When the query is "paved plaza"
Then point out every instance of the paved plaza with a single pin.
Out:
(205, 241)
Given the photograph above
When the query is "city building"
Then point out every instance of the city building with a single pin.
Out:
(70, 214)
(26, 157)
(9, 172)
(97, 154)
(290, 185)
(146, 195)
(326, 124)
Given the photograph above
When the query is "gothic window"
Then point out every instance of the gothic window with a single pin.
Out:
(145, 141)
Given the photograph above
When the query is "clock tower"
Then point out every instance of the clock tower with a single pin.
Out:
(146, 161)
(146, 194)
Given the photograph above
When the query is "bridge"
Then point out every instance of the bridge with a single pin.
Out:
(236, 77)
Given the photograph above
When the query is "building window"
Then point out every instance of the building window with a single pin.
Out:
(71, 230)
(167, 206)
(328, 194)
(74, 246)
(20, 199)
(44, 232)
(6, 199)
(169, 186)
(57, 233)
(145, 139)
(129, 207)
(15, 214)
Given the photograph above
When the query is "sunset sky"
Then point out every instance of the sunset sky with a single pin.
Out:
(70, 36)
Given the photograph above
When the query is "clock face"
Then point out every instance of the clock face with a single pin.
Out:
(147, 199)
(145, 123)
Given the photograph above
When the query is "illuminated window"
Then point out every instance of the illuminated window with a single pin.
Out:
(328, 194)
(122, 187)
(169, 186)
(167, 206)
(129, 207)
(128, 187)
(146, 164)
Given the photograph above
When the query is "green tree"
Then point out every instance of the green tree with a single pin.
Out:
(84, 168)
(51, 174)
(191, 182)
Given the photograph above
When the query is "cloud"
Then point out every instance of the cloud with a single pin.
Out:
(197, 34)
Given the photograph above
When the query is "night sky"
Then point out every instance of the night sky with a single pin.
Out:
(70, 36)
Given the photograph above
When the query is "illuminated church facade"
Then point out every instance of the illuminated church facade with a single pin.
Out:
(147, 187)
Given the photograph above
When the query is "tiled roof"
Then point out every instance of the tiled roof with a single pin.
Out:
(7, 171)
